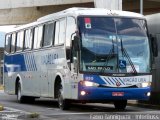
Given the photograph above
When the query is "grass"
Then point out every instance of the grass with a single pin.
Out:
(34, 115)
(1, 87)
(1, 108)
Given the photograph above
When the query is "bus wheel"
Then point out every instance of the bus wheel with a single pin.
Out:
(20, 98)
(120, 104)
(62, 103)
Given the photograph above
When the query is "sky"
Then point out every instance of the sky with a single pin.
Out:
(6, 28)
(3, 30)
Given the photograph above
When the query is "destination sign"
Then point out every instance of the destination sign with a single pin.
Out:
(99, 67)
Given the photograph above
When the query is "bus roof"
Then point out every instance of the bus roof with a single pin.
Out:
(90, 11)
(75, 11)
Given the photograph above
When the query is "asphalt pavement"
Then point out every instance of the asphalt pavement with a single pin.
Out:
(47, 109)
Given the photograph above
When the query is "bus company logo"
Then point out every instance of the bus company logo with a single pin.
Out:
(118, 84)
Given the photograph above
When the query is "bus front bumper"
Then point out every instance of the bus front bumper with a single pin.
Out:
(97, 93)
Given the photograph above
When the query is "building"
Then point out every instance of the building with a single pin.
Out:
(149, 6)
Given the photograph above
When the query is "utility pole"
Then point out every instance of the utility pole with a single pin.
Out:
(141, 7)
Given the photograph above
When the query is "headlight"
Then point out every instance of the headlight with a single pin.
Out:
(142, 85)
(89, 84)
(147, 84)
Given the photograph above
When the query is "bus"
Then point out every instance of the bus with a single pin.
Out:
(80, 55)
(154, 30)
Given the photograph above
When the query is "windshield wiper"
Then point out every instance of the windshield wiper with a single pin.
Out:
(124, 53)
(110, 55)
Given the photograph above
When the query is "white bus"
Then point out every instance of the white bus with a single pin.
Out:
(80, 55)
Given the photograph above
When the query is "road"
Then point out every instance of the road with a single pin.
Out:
(49, 110)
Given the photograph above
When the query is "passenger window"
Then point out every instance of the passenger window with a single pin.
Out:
(56, 41)
(70, 29)
(13, 43)
(8, 43)
(28, 39)
(60, 32)
(20, 38)
(38, 37)
(48, 34)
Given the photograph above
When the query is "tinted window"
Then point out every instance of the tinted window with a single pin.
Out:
(28, 39)
(131, 27)
(48, 34)
(13, 42)
(8, 43)
(38, 36)
(20, 37)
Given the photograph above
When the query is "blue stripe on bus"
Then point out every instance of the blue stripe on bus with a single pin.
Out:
(107, 81)
(110, 79)
(94, 78)
(19, 62)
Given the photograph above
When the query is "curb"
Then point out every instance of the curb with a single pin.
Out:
(12, 113)
(29, 115)
(23, 115)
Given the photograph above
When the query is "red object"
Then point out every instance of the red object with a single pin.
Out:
(117, 93)
(87, 20)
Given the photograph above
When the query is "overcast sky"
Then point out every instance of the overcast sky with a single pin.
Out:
(4, 29)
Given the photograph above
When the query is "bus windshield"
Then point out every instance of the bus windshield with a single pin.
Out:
(113, 45)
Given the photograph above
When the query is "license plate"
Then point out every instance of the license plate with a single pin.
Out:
(117, 93)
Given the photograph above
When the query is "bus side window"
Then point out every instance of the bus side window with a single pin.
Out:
(13, 43)
(56, 41)
(28, 39)
(38, 37)
(70, 30)
(60, 32)
(48, 34)
(8, 44)
(20, 39)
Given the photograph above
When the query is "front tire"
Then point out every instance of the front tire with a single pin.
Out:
(62, 103)
(120, 104)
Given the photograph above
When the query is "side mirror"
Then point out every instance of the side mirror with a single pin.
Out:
(75, 43)
(154, 46)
